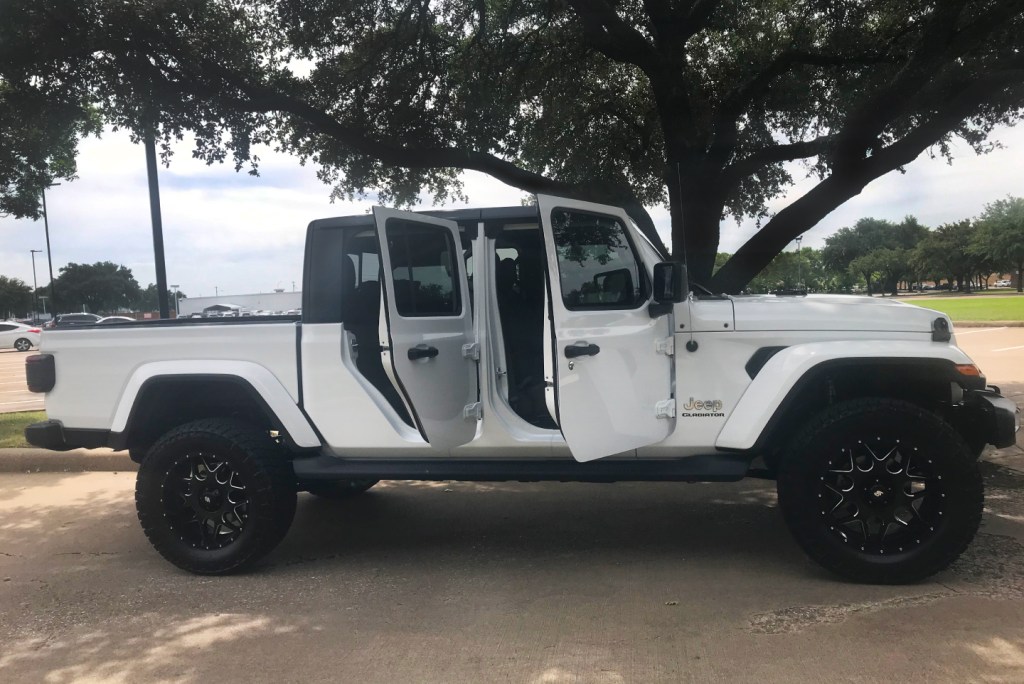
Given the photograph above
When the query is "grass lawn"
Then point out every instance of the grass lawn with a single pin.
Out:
(12, 427)
(972, 308)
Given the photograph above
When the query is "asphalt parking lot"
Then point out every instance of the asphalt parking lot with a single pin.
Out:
(14, 395)
(463, 582)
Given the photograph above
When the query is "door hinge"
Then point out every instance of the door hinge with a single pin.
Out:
(666, 346)
(666, 408)
(471, 351)
(473, 411)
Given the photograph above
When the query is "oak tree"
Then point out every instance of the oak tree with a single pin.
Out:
(700, 105)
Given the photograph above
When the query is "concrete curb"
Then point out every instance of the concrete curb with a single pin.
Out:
(74, 461)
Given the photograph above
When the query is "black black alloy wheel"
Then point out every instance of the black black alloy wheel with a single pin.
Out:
(881, 491)
(215, 495)
(205, 500)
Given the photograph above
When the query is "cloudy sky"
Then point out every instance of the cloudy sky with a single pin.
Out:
(232, 233)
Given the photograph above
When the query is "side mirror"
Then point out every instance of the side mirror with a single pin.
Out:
(670, 287)
(669, 282)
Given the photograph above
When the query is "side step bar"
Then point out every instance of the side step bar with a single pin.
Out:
(724, 467)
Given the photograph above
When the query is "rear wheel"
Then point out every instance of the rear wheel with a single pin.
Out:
(880, 491)
(22, 344)
(215, 495)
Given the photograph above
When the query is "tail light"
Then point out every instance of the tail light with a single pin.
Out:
(40, 372)
(37, 331)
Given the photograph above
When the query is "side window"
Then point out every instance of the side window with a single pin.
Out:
(597, 266)
(360, 286)
(5, 327)
(425, 263)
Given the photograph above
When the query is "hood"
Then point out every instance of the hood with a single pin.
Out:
(831, 312)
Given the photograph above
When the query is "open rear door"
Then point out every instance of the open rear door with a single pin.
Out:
(429, 343)
(613, 374)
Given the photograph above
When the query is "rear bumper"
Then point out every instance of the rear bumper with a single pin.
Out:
(1000, 417)
(51, 434)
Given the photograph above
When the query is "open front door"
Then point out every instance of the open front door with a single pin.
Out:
(613, 379)
(429, 324)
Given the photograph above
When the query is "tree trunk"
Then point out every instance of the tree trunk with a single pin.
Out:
(696, 222)
(794, 220)
(1020, 272)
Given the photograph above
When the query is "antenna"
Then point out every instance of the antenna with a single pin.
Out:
(682, 226)
(682, 230)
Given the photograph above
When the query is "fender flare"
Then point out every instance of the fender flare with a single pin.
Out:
(780, 377)
(258, 378)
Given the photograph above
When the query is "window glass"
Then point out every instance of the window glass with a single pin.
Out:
(424, 265)
(4, 327)
(596, 263)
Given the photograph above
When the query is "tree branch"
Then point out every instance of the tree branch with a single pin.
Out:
(740, 169)
(735, 104)
(607, 33)
(940, 43)
(849, 180)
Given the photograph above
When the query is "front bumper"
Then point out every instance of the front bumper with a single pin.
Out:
(999, 416)
(51, 434)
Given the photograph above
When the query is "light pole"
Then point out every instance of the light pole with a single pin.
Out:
(49, 255)
(799, 261)
(35, 287)
(175, 288)
(42, 298)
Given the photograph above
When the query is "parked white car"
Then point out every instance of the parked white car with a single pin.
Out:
(1003, 283)
(18, 336)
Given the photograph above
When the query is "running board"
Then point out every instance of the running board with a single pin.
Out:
(722, 467)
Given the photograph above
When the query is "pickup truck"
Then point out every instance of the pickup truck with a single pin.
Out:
(543, 342)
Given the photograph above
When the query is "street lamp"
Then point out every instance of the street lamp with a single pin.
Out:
(175, 288)
(35, 287)
(49, 255)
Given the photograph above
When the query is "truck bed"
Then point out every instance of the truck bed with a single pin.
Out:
(95, 364)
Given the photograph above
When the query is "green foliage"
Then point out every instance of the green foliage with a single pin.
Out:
(148, 299)
(1000, 235)
(697, 104)
(40, 140)
(874, 247)
(946, 252)
(103, 287)
(15, 298)
(793, 271)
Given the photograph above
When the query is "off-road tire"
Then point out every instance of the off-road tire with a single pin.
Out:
(254, 462)
(935, 459)
(338, 489)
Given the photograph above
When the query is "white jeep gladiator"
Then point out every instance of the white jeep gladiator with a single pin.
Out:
(546, 342)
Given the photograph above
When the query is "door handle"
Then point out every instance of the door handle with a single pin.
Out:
(581, 349)
(422, 351)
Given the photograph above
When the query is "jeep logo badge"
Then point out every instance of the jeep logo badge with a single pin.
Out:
(703, 408)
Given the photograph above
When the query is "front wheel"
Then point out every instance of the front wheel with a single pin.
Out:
(22, 344)
(880, 491)
(215, 495)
